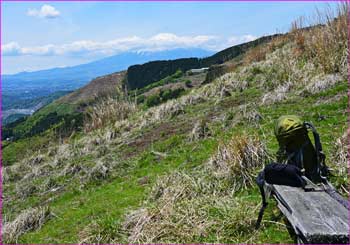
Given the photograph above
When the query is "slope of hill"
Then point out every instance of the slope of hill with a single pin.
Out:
(98, 88)
(67, 110)
(136, 77)
(183, 171)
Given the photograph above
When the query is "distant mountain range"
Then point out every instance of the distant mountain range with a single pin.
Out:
(70, 78)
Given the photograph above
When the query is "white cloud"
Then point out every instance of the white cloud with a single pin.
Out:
(240, 39)
(11, 49)
(46, 11)
(161, 41)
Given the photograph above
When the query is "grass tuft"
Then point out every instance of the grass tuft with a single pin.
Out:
(239, 160)
(199, 131)
(108, 111)
(29, 220)
(340, 162)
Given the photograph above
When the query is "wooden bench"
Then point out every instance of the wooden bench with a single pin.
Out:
(314, 215)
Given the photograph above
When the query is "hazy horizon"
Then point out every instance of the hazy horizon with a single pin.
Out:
(44, 35)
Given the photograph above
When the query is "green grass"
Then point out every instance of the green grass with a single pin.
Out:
(105, 203)
(38, 130)
(15, 151)
(55, 115)
(108, 202)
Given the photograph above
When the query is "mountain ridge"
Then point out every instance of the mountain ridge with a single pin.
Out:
(104, 66)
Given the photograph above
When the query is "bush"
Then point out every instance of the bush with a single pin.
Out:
(153, 100)
(163, 96)
(171, 94)
(174, 78)
(188, 83)
(177, 74)
(140, 99)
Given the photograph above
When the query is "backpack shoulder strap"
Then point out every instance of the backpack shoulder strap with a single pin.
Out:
(321, 157)
(260, 180)
(318, 145)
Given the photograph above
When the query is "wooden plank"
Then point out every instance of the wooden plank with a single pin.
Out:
(315, 216)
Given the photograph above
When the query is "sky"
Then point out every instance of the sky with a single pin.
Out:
(42, 35)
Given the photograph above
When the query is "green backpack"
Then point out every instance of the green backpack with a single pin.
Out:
(295, 147)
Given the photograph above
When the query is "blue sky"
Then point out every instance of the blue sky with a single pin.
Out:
(40, 35)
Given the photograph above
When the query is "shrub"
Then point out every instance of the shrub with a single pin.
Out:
(188, 83)
(163, 96)
(153, 100)
(140, 99)
(171, 94)
(177, 74)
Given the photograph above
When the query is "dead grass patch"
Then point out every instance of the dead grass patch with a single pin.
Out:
(29, 220)
(239, 159)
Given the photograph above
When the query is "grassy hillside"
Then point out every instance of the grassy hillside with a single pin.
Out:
(56, 120)
(183, 171)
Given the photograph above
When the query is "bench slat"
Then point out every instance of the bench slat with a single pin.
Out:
(315, 216)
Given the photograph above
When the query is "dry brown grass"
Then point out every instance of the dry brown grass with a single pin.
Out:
(28, 220)
(15, 172)
(259, 53)
(193, 219)
(187, 206)
(99, 171)
(224, 86)
(250, 114)
(90, 235)
(255, 54)
(25, 189)
(108, 112)
(199, 131)
(279, 94)
(321, 83)
(239, 160)
(326, 43)
(340, 161)
(298, 35)
(164, 111)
